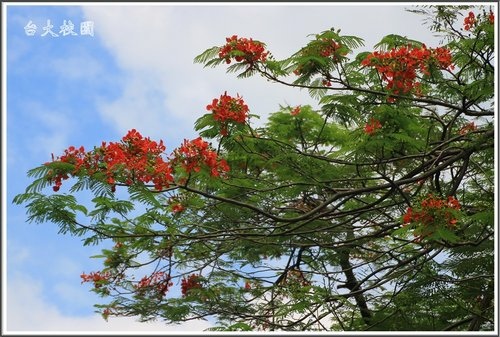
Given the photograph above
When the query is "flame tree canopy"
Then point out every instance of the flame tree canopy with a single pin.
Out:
(373, 212)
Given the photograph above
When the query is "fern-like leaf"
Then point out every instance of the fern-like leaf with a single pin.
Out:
(208, 55)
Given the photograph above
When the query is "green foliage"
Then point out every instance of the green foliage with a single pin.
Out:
(393, 41)
(209, 57)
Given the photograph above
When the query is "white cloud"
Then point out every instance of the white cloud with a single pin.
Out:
(29, 310)
(155, 46)
(141, 107)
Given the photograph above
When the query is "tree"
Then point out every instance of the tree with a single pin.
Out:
(373, 212)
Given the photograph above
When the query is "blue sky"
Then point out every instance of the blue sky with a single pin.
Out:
(137, 71)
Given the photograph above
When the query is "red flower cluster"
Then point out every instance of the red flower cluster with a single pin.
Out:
(71, 155)
(295, 111)
(177, 208)
(136, 159)
(470, 21)
(107, 312)
(97, 277)
(332, 49)
(176, 204)
(295, 276)
(467, 128)
(228, 109)
(243, 50)
(195, 153)
(192, 282)
(372, 126)
(324, 47)
(133, 159)
(431, 214)
(158, 281)
(398, 67)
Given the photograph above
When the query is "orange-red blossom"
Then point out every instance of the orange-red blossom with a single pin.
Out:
(191, 282)
(399, 66)
(372, 126)
(159, 281)
(138, 159)
(471, 21)
(432, 212)
(227, 109)
(97, 278)
(243, 50)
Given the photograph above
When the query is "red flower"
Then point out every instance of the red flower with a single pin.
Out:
(158, 281)
(97, 277)
(135, 159)
(467, 128)
(399, 66)
(243, 50)
(372, 126)
(331, 48)
(194, 154)
(408, 216)
(106, 312)
(229, 109)
(470, 21)
(433, 212)
(192, 282)
(453, 203)
(295, 111)
(177, 208)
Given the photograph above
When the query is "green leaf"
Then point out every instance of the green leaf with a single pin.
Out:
(239, 327)
(394, 41)
(204, 121)
(402, 232)
(144, 195)
(208, 55)
(446, 235)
